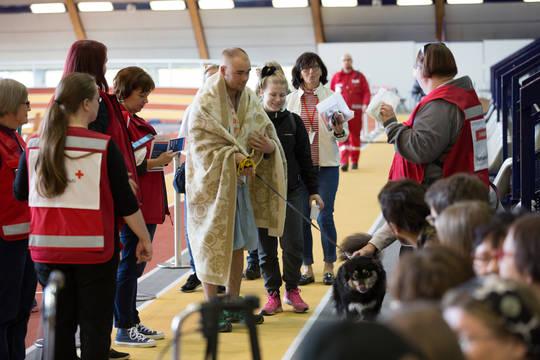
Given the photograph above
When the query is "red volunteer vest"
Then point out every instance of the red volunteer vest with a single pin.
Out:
(117, 131)
(152, 183)
(354, 89)
(76, 227)
(14, 214)
(463, 156)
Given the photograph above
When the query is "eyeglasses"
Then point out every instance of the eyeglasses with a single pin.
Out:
(465, 342)
(313, 67)
(502, 254)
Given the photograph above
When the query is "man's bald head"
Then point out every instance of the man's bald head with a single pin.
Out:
(235, 68)
(347, 61)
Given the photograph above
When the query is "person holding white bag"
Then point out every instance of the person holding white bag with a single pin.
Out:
(445, 134)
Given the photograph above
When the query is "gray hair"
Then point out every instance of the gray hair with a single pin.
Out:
(12, 94)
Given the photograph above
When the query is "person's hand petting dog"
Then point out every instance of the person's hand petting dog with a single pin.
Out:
(261, 143)
(368, 250)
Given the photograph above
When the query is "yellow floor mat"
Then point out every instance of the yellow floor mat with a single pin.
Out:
(356, 209)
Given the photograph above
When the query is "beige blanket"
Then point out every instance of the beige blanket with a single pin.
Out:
(211, 178)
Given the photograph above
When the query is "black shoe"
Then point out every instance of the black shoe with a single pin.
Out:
(253, 271)
(221, 289)
(328, 278)
(345, 167)
(306, 279)
(238, 317)
(354, 166)
(191, 284)
(113, 354)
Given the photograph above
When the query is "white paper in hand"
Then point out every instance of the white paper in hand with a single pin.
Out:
(382, 96)
(333, 104)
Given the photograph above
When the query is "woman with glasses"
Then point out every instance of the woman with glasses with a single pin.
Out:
(521, 251)
(132, 85)
(18, 282)
(309, 77)
(494, 319)
(445, 133)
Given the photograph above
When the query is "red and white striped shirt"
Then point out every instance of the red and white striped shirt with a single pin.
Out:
(310, 117)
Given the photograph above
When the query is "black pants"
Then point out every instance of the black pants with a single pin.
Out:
(292, 243)
(87, 300)
(17, 290)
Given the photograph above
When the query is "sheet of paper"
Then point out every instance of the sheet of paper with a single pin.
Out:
(333, 104)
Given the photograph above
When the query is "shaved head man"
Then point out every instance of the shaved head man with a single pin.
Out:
(235, 69)
(346, 63)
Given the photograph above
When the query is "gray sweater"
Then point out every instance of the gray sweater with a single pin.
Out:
(435, 130)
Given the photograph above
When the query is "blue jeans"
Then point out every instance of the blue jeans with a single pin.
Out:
(328, 185)
(125, 302)
(17, 290)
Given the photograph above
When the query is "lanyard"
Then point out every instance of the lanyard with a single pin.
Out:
(305, 109)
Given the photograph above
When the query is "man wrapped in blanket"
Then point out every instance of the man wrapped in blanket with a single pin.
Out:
(231, 139)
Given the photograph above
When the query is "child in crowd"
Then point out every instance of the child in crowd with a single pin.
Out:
(301, 177)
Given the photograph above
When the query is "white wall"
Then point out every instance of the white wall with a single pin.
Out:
(390, 64)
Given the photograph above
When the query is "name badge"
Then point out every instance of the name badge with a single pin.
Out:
(311, 136)
(479, 140)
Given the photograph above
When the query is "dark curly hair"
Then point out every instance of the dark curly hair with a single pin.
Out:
(308, 59)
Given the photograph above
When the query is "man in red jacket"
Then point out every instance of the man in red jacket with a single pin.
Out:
(354, 88)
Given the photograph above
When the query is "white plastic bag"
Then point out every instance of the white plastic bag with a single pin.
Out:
(382, 96)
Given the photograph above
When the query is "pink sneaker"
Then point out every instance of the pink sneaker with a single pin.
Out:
(293, 298)
(273, 304)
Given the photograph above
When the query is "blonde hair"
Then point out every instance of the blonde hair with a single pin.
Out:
(456, 225)
(12, 94)
(276, 76)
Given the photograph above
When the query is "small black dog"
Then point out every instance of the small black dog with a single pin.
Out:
(360, 285)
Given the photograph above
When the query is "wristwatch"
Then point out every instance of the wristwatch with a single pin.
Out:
(339, 136)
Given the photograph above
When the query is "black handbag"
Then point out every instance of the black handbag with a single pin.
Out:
(179, 181)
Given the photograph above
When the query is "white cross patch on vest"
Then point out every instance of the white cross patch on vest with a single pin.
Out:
(83, 170)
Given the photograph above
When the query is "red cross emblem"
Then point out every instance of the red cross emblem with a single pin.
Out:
(79, 174)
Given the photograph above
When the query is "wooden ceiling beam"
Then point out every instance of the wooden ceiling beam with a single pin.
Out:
(440, 33)
(198, 30)
(75, 18)
(318, 26)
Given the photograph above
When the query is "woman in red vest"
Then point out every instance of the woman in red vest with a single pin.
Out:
(18, 280)
(76, 184)
(132, 85)
(89, 56)
(445, 134)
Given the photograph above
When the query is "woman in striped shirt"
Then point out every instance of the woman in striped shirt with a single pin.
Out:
(309, 77)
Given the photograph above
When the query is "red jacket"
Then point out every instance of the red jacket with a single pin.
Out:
(117, 131)
(76, 227)
(468, 154)
(152, 183)
(14, 214)
(354, 88)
